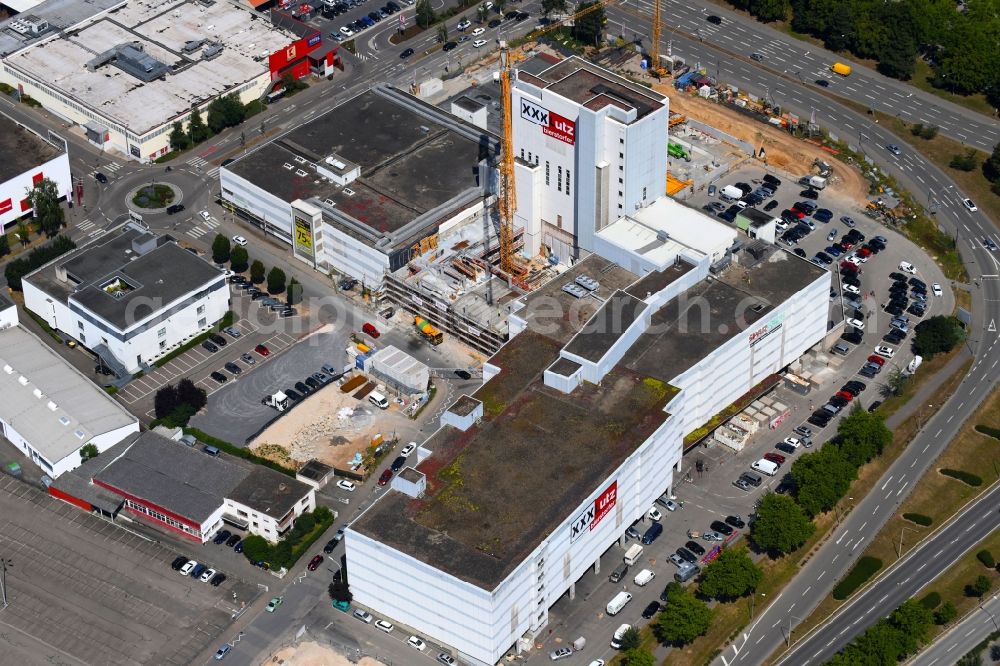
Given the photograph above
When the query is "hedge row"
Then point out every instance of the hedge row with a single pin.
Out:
(234, 450)
(307, 529)
(986, 557)
(227, 320)
(988, 430)
(918, 518)
(858, 576)
(964, 477)
(931, 601)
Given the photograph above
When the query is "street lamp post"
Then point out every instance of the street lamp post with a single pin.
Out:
(4, 563)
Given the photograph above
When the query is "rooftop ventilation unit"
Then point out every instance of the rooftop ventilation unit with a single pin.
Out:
(662, 236)
(575, 290)
(588, 283)
(213, 51)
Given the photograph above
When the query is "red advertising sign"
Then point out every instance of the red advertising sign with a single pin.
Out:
(593, 515)
(552, 124)
(6, 205)
(293, 55)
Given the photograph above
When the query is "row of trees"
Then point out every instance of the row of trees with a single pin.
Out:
(21, 266)
(223, 112)
(308, 527)
(890, 639)
(239, 261)
(936, 335)
(175, 405)
(957, 40)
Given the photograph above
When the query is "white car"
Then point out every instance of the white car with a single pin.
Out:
(363, 615)
(616, 641)
(408, 449)
(462, 25)
(478, 31)
(479, 43)
(856, 323)
(597, 662)
(205, 216)
(207, 575)
(884, 351)
(382, 625)
(344, 484)
(186, 569)
(655, 515)
(793, 442)
(851, 289)
(968, 204)
(240, 240)
(936, 288)
(907, 267)
(347, 31)
(416, 643)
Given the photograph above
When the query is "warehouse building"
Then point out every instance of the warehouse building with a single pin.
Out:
(27, 159)
(125, 72)
(183, 490)
(366, 186)
(130, 297)
(577, 429)
(49, 410)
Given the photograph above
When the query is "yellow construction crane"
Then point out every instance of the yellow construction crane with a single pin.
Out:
(654, 46)
(506, 196)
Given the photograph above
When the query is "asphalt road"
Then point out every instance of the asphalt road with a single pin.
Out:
(739, 37)
(970, 631)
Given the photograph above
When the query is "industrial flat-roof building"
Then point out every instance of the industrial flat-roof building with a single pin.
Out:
(27, 159)
(182, 489)
(578, 427)
(49, 410)
(359, 189)
(130, 296)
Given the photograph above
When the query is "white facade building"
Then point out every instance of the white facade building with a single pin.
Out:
(590, 146)
(578, 428)
(49, 410)
(27, 159)
(130, 297)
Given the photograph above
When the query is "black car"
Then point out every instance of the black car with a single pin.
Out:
(713, 19)
(824, 257)
(406, 54)
(178, 562)
(523, 16)
(809, 194)
(651, 610)
(799, 251)
(917, 282)
(916, 310)
(771, 205)
(771, 180)
(347, 283)
(818, 421)
(375, 16)
(449, 46)
(695, 547)
(899, 277)
(217, 339)
(302, 388)
(233, 540)
(293, 394)
(330, 545)
(822, 83)
(855, 384)
(174, 209)
(894, 310)
(312, 383)
(463, 374)
(839, 401)
(687, 555)
(209, 346)
(219, 377)
(822, 215)
(785, 448)
(101, 178)
(868, 371)
(397, 464)
(875, 405)
(233, 368)
(217, 580)
(736, 522)
(721, 527)
(221, 536)
(854, 336)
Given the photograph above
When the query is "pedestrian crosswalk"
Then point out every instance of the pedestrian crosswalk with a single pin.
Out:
(213, 172)
(197, 162)
(90, 228)
(206, 226)
(112, 166)
(362, 56)
(86, 224)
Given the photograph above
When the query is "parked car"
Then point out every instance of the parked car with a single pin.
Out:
(219, 377)
(735, 521)
(384, 478)
(209, 346)
(344, 484)
(721, 527)
(695, 547)
(262, 350)
(315, 562)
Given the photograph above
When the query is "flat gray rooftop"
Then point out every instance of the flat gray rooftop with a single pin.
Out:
(22, 150)
(269, 492)
(161, 275)
(410, 163)
(592, 86)
(606, 326)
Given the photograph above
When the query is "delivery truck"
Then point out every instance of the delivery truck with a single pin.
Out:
(633, 554)
(277, 400)
(841, 68)
(817, 182)
(731, 193)
(429, 333)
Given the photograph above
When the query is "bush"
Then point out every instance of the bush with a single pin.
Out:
(986, 557)
(937, 334)
(978, 587)
(988, 430)
(946, 613)
(234, 450)
(931, 601)
(308, 527)
(964, 477)
(858, 576)
(38, 257)
(967, 161)
(918, 518)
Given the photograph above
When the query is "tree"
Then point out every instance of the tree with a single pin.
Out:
(44, 199)
(239, 259)
(88, 451)
(425, 14)
(293, 294)
(442, 32)
(937, 334)
(257, 271)
(895, 383)
(862, 436)
(275, 281)
(683, 618)
(946, 613)
(226, 111)
(220, 249)
(822, 478)
(973, 659)
(197, 129)
(967, 161)
(549, 6)
(588, 28)
(898, 58)
(978, 587)
(781, 525)
(256, 549)
(165, 401)
(631, 639)
(339, 591)
(179, 139)
(730, 575)
(913, 621)
(189, 394)
(769, 10)
(638, 657)
(991, 167)
(482, 13)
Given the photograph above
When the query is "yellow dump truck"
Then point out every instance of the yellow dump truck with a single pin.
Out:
(431, 334)
(841, 68)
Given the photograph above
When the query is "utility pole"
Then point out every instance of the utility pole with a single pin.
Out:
(4, 563)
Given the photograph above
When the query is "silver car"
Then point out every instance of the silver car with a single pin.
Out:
(712, 536)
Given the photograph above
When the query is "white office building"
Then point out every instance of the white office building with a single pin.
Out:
(577, 429)
(130, 297)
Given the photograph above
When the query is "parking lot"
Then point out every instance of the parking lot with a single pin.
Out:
(91, 591)
(705, 487)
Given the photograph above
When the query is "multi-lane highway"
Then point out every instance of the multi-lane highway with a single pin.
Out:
(969, 632)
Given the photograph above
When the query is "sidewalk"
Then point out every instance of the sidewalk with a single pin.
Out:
(929, 390)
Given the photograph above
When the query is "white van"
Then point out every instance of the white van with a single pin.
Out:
(731, 193)
(378, 400)
(643, 577)
(765, 467)
(633, 554)
(619, 601)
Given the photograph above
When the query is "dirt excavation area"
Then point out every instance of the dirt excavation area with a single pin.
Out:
(314, 654)
(783, 151)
